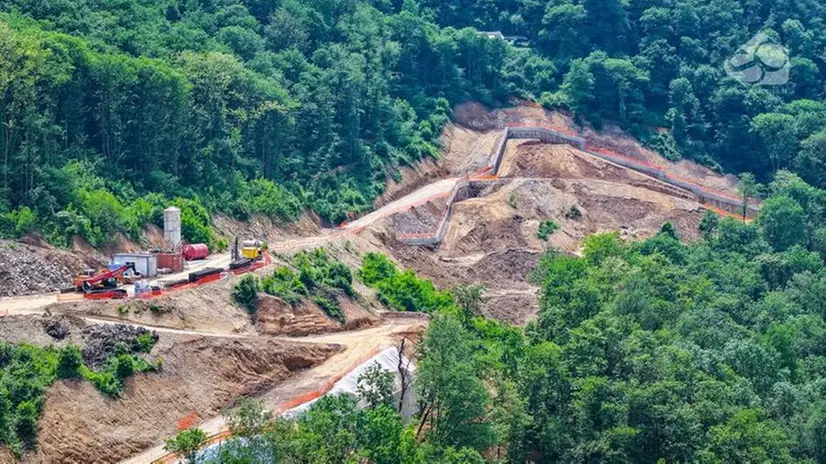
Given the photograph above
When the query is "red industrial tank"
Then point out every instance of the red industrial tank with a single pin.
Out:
(195, 251)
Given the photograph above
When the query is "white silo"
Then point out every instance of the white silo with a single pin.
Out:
(172, 227)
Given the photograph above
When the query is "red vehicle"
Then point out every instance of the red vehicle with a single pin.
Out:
(104, 279)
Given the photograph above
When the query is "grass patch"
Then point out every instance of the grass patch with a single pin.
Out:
(311, 274)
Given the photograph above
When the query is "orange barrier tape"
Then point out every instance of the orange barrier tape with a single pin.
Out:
(723, 212)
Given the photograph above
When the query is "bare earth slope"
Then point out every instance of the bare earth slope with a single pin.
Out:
(200, 377)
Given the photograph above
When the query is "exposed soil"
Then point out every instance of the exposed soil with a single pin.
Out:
(422, 219)
(207, 308)
(101, 341)
(275, 316)
(263, 228)
(200, 377)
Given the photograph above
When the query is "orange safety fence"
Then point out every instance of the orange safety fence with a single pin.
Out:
(281, 407)
(723, 212)
(69, 297)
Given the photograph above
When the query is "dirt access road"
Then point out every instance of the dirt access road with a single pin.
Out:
(30, 304)
(358, 346)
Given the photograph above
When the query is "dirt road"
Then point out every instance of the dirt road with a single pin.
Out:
(33, 304)
(358, 346)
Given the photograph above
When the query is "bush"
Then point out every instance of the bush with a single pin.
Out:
(26, 423)
(285, 284)
(376, 268)
(145, 342)
(546, 228)
(330, 306)
(402, 291)
(266, 197)
(186, 443)
(574, 213)
(195, 222)
(245, 292)
(69, 362)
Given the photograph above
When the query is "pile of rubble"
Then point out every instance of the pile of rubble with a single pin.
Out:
(28, 270)
(101, 341)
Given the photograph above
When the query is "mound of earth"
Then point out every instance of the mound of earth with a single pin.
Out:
(36, 267)
(475, 117)
(275, 316)
(200, 377)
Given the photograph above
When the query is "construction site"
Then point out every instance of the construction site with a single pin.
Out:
(469, 217)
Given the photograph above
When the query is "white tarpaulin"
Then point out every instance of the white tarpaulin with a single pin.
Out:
(388, 360)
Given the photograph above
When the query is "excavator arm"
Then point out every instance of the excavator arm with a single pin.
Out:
(97, 279)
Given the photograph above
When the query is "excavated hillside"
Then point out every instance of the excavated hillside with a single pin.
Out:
(491, 234)
(200, 377)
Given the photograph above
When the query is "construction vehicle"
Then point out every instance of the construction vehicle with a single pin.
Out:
(252, 250)
(104, 279)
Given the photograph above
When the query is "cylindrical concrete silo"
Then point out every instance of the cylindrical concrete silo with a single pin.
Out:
(172, 227)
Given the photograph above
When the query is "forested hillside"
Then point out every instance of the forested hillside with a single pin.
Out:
(661, 63)
(642, 352)
(111, 110)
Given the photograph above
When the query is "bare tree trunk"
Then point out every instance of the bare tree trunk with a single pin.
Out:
(402, 374)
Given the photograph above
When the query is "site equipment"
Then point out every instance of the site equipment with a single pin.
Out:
(103, 279)
(204, 273)
(195, 251)
(252, 249)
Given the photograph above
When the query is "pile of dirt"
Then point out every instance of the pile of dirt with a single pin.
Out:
(612, 137)
(422, 219)
(42, 330)
(274, 316)
(101, 341)
(27, 269)
(200, 377)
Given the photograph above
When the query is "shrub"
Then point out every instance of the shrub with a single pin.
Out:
(285, 284)
(245, 292)
(402, 291)
(186, 443)
(145, 342)
(330, 306)
(69, 362)
(546, 228)
(26, 424)
(573, 213)
(376, 268)
(267, 198)
(195, 222)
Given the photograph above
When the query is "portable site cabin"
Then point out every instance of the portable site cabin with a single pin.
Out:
(145, 263)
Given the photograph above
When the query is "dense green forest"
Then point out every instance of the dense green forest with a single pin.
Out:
(112, 110)
(652, 351)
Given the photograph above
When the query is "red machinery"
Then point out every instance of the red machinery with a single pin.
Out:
(106, 278)
(195, 251)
